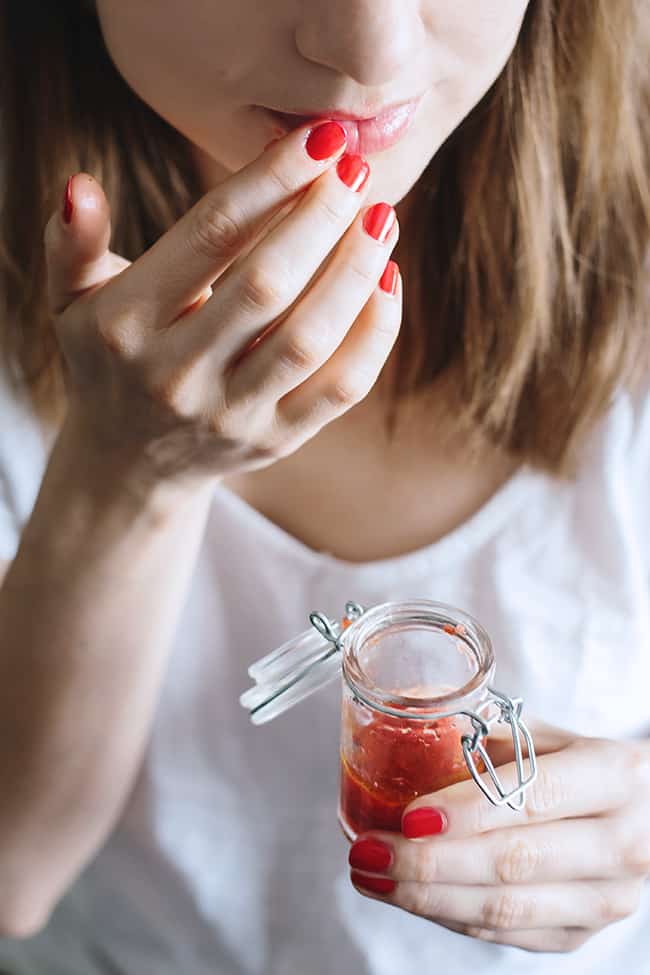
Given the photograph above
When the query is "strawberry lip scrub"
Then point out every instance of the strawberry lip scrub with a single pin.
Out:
(416, 711)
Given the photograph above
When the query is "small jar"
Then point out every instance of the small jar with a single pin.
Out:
(410, 671)
(417, 705)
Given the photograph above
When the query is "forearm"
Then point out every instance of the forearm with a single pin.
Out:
(87, 614)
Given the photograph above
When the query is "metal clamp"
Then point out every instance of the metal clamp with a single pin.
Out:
(509, 712)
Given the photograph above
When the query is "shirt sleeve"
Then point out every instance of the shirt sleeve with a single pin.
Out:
(23, 458)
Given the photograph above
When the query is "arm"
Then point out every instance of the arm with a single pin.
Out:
(165, 374)
(88, 610)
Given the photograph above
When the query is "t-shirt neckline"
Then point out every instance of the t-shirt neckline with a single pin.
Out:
(451, 547)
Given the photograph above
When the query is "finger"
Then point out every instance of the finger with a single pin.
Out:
(533, 939)
(351, 372)
(269, 280)
(76, 242)
(208, 238)
(547, 739)
(508, 908)
(568, 785)
(313, 331)
(574, 849)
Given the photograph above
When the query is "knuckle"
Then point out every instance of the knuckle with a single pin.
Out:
(518, 862)
(117, 331)
(283, 447)
(167, 386)
(236, 407)
(303, 352)
(614, 903)
(165, 391)
(479, 816)
(347, 390)
(329, 210)
(423, 868)
(636, 758)
(635, 858)
(609, 752)
(265, 288)
(365, 273)
(508, 910)
(386, 328)
(213, 230)
(282, 181)
(547, 794)
(429, 902)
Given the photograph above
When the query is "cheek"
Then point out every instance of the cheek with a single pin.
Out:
(196, 63)
(474, 41)
(165, 48)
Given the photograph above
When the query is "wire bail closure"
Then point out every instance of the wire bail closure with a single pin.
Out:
(331, 630)
(509, 712)
(305, 661)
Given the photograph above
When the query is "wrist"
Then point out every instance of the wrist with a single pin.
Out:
(96, 501)
(123, 474)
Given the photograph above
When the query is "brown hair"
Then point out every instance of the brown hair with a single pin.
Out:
(530, 241)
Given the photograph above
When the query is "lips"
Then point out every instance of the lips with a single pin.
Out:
(365, 136)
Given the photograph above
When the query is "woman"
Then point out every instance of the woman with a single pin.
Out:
(177, 495)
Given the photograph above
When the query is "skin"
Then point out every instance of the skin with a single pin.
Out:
(546, 878)
(335, 54)
(514, 878)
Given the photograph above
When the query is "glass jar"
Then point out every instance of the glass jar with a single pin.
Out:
(417, 705)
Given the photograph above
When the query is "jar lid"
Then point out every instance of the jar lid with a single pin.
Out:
(299, 667)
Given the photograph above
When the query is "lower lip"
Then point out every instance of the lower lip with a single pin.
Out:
(370, 135)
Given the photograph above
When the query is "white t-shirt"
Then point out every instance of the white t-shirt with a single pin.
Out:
(228, 857)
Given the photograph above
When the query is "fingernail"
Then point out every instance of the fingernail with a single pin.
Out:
(326, 140)
(353, 171)
(425, 821)
(376, 885)
(388, 280)
(370, 854)
(378, 221)
(67, 201)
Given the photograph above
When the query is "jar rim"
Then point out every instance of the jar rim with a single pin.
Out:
(437, 616)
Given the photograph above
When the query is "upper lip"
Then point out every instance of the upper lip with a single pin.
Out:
(335, 114)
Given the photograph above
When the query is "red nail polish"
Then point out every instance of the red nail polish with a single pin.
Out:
(326, 140)
(370, 854)
(378, 221)
(424, 821)
(376, 885)
(388, 280)
(353, 171)
(67, 202)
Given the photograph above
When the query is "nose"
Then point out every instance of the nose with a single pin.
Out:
(371, 41)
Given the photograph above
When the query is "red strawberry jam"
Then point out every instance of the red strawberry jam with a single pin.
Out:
(389, 761)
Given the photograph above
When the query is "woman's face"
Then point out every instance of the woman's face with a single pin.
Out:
(210, 66)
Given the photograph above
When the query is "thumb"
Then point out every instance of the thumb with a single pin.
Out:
(76, 242)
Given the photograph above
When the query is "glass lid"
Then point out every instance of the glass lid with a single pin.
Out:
(299, 667)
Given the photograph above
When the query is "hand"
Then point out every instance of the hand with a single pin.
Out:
(544, 879)
(154, 350)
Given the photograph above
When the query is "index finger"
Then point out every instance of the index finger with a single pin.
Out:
(192, 254)
(585, 778)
